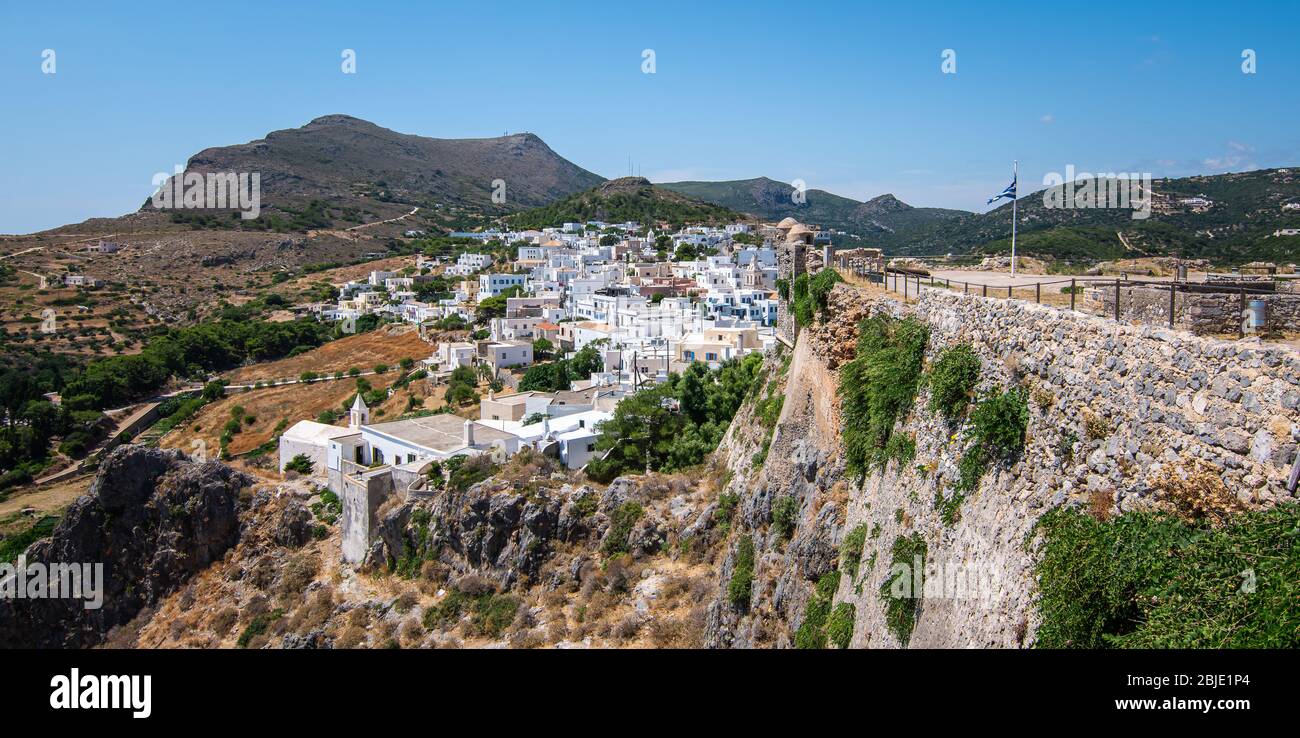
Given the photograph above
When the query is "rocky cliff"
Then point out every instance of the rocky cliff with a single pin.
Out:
(153, 519)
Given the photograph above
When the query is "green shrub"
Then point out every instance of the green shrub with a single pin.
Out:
(1149, 580)
(952, 379)
(447, 612)
(257, 626)
(971, 469)
(727, 502)
(785, 516)
(493, 614)
(997, 425)
(901, 591)
(878, 388)
(812, 631)
(739, 589)
(811, 293)
(839, 627)
(851, 550)
(329, 508)
(620, 527)
(902, 447)
(999, 422)
(769, 410)
(301, 464)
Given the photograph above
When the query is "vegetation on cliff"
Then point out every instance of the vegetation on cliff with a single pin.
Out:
(811, 293)
(952, 378)
(879, 387)
(901, 591)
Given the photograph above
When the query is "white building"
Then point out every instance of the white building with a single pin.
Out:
(491, 285)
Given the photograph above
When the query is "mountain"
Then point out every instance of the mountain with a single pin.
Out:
(626, 199)
(341, 163)
(882, 221)
(1227, 218)
(1246, 209)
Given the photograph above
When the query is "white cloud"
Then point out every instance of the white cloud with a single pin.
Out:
(1238, 156)
(1048, 119)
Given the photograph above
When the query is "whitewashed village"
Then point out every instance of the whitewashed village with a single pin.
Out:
(637, 308)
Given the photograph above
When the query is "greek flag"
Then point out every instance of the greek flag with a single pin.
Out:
(1009, 192)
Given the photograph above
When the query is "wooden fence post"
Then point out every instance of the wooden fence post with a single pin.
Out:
(1117, 301)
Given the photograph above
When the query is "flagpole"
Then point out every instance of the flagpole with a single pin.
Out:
(1015, 179)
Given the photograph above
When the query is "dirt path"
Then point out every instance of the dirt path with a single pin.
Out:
(381, 222)
(47, 499)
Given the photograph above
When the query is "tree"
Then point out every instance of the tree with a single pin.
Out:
(549, 377)
(542, 348)
(691, 392)
(489, 308)
(588, 360)
(301, 463)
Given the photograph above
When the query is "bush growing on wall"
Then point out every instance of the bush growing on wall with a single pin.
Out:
(952, 378)
(901, 592)
(811, 293)
(878, 388)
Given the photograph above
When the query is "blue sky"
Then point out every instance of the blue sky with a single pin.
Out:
(847, 96)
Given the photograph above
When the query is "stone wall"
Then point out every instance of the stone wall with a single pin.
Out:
(789, 265)
(1202, 313)
(1232, 403)
(1115, 411)
(362, 497)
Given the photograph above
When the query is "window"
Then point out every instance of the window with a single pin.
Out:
(410, 458)
(378, 456)
(591, 447)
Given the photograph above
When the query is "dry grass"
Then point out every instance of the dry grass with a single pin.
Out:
(1194, 491)
(386, 345)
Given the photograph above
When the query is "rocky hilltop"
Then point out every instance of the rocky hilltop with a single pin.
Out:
(153, 519)
(347, 162)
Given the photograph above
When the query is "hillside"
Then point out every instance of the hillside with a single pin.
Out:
(883, 220)
(1237, 227)
(626, 199)
(337, 166)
